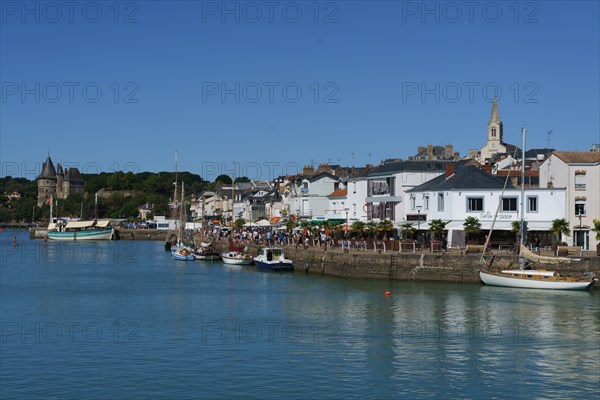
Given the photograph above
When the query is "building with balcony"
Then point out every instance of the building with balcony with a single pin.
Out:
(578, 172)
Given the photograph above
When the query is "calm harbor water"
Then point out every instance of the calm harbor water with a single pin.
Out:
(123, 320)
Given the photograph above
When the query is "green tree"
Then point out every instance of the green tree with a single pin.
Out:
(437, 227)
(290, 225)
(358, 228)
(408, 230)
(516, 228)
(596, 228)
(242, 179)
(239, 223)
(472, 227)
(225, 179)
(385, 227)
(5, 215)
(370, 229)
(560, 226)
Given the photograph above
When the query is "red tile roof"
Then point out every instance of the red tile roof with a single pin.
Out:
(339, 193)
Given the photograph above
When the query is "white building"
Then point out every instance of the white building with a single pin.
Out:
(578, 172)
(467, 191)
(356, 199)
(309, 194)
(388, 184)
(338, 205)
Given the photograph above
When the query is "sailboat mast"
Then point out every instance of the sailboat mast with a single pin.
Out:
(182, 209)
(522, 223)
(202, 220)
(175, 190)
(233, 195)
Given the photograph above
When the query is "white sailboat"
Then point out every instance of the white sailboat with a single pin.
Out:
(529, 278)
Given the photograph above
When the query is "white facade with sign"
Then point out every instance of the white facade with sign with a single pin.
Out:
(541, 207)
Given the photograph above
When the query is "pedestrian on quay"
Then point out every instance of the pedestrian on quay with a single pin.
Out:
(444, 244)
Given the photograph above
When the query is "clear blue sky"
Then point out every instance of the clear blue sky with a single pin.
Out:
(162, 68)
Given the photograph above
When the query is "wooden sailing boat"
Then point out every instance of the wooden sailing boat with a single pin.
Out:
(205, 251)
(181, 252)
(529, 278)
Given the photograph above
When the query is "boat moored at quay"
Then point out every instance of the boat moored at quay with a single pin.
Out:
(81, 230)
(273, 259)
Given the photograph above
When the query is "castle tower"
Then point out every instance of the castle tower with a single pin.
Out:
(60, 194)
(46, 182)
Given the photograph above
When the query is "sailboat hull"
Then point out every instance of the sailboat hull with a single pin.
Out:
(506, 280)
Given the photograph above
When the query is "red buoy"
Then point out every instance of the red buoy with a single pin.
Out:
(388, 293)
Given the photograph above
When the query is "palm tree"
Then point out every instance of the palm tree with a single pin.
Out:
(370, 228)
(437, 227)
(290, 225)
(560, 226)
(408, 230)
(358, 228)
(384, 227)
(472, 226)
(516, 228)
(596, 229)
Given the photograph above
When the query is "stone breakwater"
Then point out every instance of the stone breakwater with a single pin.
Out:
(417, 266)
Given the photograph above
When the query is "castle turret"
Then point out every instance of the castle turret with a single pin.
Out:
(46, 182)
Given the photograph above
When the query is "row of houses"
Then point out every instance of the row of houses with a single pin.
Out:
(435, 183)
(567, 186)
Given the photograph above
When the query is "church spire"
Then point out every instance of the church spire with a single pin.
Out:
(495, 117)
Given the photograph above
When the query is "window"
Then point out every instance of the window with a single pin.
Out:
(440, 201)
(412, 202)
(580, 207)
(493, 132)
(426, 202)
(579, 180)
(474, 204)
(532, 204)
(509, 204)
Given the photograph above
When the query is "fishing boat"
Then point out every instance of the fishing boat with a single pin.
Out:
(81, 230)
(206, 252)
(236, 255)
(526, 277)
(236, 258)
(78, 230)
(273, 259)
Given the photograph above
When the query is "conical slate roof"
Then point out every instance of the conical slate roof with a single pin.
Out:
(48, 170)
(495, 117)
(73, 175)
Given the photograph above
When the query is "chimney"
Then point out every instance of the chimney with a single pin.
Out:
(420, 151)
(456, 156)
(450, 169)
(430, 152)
(487, 168)
(308, 170)
(448, 151)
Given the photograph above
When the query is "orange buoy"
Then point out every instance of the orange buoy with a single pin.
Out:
(388, 293)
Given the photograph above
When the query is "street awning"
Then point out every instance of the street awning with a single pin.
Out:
(103, 223)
